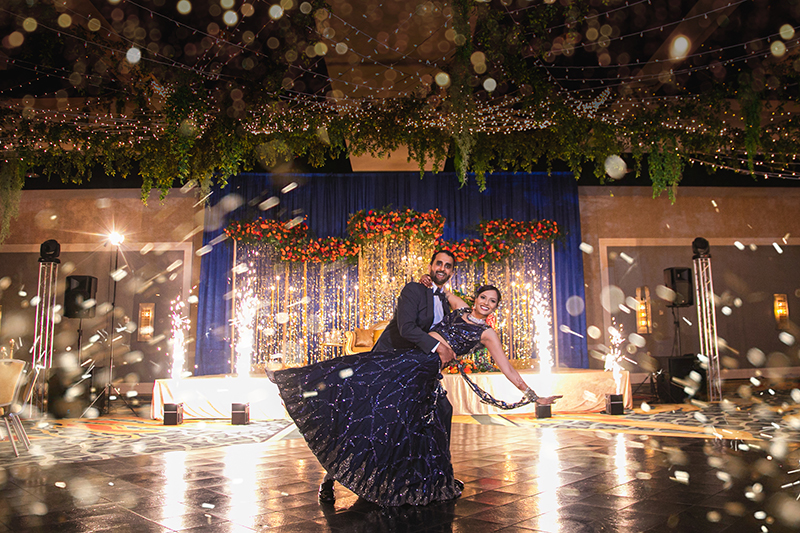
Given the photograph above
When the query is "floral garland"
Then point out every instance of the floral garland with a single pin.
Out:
(365, 224)
(515, 232)
(292, 241)
(500, 237)
(474, 250)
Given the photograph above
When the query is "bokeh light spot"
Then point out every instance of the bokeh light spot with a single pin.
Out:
(133, 55)
(275, 12)
(29, 24)
(230, 18)
(16, 39)
(615, 167)
(184, 7)
(679, 47)
(575, 305)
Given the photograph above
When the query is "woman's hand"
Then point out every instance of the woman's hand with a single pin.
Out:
(547, 400)
(426, 280)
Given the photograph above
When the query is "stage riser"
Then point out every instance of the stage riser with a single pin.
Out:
(211, 397)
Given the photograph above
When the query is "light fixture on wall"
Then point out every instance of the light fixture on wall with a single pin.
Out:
(147, 312)
(644, 318)
(781, 306)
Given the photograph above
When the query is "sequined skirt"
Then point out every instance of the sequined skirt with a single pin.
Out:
(372, 421)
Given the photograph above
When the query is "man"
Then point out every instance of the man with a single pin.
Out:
(419, 308)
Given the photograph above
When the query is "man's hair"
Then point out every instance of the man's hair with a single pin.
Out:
(443, 251)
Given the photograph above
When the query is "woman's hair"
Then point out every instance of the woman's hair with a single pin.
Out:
(485, 288)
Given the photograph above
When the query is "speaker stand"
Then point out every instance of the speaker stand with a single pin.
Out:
(655, 397)
(106, 393)
(109, 386)
(676, 341)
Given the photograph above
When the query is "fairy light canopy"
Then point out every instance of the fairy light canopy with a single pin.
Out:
(166, 84)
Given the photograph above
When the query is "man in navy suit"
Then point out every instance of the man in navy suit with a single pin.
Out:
(419, 308)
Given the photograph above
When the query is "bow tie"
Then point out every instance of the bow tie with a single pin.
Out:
(440, 294)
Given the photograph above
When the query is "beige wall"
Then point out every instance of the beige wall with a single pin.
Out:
(630, 216)
(86, 216)
(80, 221)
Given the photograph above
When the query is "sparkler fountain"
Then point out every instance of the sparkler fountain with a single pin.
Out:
(180, 324)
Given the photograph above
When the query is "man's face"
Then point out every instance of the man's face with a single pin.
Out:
(441, 269)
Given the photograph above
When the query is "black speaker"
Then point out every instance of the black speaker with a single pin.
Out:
(679, 279)
(79, 290)
(681, 367)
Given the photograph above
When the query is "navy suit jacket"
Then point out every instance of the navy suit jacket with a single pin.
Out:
(411, 321)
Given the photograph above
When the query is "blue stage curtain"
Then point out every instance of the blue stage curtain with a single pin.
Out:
(329, 199)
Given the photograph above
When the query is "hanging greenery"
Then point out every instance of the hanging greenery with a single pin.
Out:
(257, 102)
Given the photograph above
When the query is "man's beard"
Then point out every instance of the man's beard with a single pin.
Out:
(435, 278)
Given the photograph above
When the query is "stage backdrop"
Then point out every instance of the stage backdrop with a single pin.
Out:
(327, 201)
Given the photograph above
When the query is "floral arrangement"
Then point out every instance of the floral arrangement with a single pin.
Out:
(267, 231)
(365, 224)
(512, 232)
(292, 241)
(500, 237)
(474, 250)
(477, 361)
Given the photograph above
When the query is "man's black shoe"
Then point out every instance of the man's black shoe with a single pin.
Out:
(459, 484)
(326, 494)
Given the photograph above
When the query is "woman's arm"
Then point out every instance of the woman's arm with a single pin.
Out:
(454, 301)
(490, 339)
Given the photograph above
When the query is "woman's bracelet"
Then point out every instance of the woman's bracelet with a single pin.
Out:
(531, 395)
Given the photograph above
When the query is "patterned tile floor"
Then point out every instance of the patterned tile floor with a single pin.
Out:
(517, 478)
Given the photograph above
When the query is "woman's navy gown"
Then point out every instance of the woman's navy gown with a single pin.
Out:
(372, 422)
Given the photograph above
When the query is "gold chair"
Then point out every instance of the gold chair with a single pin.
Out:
(362, 340)
(12, 378)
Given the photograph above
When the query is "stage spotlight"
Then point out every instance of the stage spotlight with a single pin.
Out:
(700, 248)
(49, 252)
(116, 238)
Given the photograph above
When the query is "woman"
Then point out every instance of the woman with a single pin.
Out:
(371, 418)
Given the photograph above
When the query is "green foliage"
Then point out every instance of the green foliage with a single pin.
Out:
(12, 178)
(194, 128)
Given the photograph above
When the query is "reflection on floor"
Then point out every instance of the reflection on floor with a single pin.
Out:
(517, 478)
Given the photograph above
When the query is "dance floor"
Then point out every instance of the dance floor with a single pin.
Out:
(520, 475)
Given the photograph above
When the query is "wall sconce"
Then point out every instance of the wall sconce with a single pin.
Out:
(644, 318)
(781, 306)
(147, 313)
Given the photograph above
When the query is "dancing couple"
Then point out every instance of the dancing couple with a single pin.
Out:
(379, 422)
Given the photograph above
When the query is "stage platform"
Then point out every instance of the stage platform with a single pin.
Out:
(210, 397)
